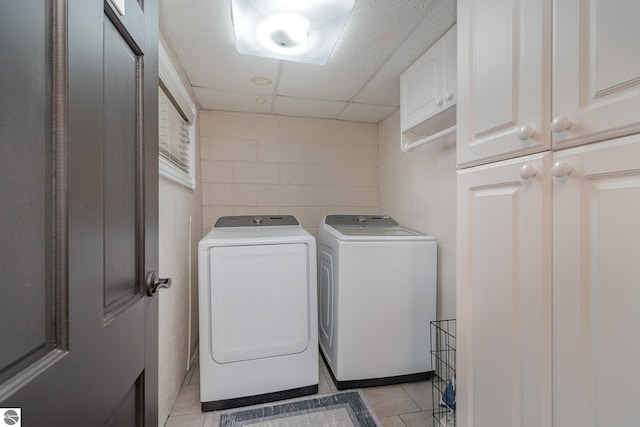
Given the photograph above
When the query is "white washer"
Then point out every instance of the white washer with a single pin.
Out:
(258, 311)
(377, 295)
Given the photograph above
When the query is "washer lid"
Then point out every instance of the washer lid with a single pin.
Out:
(255, 221)
(369, 225)
(356, 230)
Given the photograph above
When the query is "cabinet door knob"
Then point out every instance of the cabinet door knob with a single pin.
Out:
(439, 102)
(526, 132)
(527, 171)
(450, 97)
(560, 124)
(561, 169)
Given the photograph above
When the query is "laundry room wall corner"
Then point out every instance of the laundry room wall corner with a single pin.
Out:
(418, 189)
(180, 224)
(178, 327)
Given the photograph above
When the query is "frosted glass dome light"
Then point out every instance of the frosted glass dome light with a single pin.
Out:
(300, 31)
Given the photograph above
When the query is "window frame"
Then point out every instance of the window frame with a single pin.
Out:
(176, 90)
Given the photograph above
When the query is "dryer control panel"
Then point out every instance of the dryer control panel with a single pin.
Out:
(255, 220)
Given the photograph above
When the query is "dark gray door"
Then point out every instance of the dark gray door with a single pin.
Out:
(78, 222)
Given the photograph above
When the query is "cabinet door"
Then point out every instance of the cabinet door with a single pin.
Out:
(504, 79)
(596, 70)
(451, 68)
(504, 294)
(422, 87)
(596, 285)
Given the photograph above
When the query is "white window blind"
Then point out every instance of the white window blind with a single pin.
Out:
(173, 133)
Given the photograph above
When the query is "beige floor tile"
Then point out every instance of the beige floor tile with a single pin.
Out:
(421, 393)
(195, 376)
(208, 421)
(323, 367)
(394, 421)
(190, 420)
(418, 419)
(323, 384)
(390, 400)
(187, 378)
(188, 401)
(324, 370)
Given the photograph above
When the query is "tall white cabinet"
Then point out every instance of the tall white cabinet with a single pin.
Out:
(548, 296)
(504, 294)
(596, 284)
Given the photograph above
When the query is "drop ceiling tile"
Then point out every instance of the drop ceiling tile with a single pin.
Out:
(211, 99)
(307, 107)
(373, 32)
(201, 34)
(366, 113)
(384, 88)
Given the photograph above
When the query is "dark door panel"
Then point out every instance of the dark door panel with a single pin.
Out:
(78, 152)
(28, 293)
(120, 148)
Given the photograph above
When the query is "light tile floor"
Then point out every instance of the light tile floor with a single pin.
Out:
(402, 405)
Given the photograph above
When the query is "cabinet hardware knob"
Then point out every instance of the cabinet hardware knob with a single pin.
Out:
(439, 102)
(560, 124)
(527, 171)
(526, 132)
(561, 169)
(450, 97)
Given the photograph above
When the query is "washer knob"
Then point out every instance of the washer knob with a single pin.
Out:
(257, 220)
(362, 219)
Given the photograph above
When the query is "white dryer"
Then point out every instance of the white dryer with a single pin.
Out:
(377, 295)
(258, 311)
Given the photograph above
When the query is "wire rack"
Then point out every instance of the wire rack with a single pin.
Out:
(443, 358)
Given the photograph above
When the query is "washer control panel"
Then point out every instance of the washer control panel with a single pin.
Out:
(361, 220)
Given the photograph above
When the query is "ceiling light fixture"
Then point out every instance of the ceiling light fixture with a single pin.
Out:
(261, 81)
(291, 30)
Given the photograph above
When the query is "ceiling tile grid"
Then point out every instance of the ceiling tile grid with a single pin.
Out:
(360, 82)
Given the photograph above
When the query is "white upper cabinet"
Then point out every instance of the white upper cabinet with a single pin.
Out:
(422, 87)
(504, 76)
(596, 70)
(512, 101)
(428, 90)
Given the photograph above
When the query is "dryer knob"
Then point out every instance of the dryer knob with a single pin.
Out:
(362, 219)
(257, 220)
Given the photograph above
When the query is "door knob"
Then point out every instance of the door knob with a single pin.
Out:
(154, 283)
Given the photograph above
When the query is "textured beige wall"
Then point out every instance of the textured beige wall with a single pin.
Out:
(418, 189)
(261, 164)
(176, 204)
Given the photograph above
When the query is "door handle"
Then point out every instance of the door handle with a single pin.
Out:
(154, 283)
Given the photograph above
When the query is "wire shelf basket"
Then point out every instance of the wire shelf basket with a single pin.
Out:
(443, 358)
